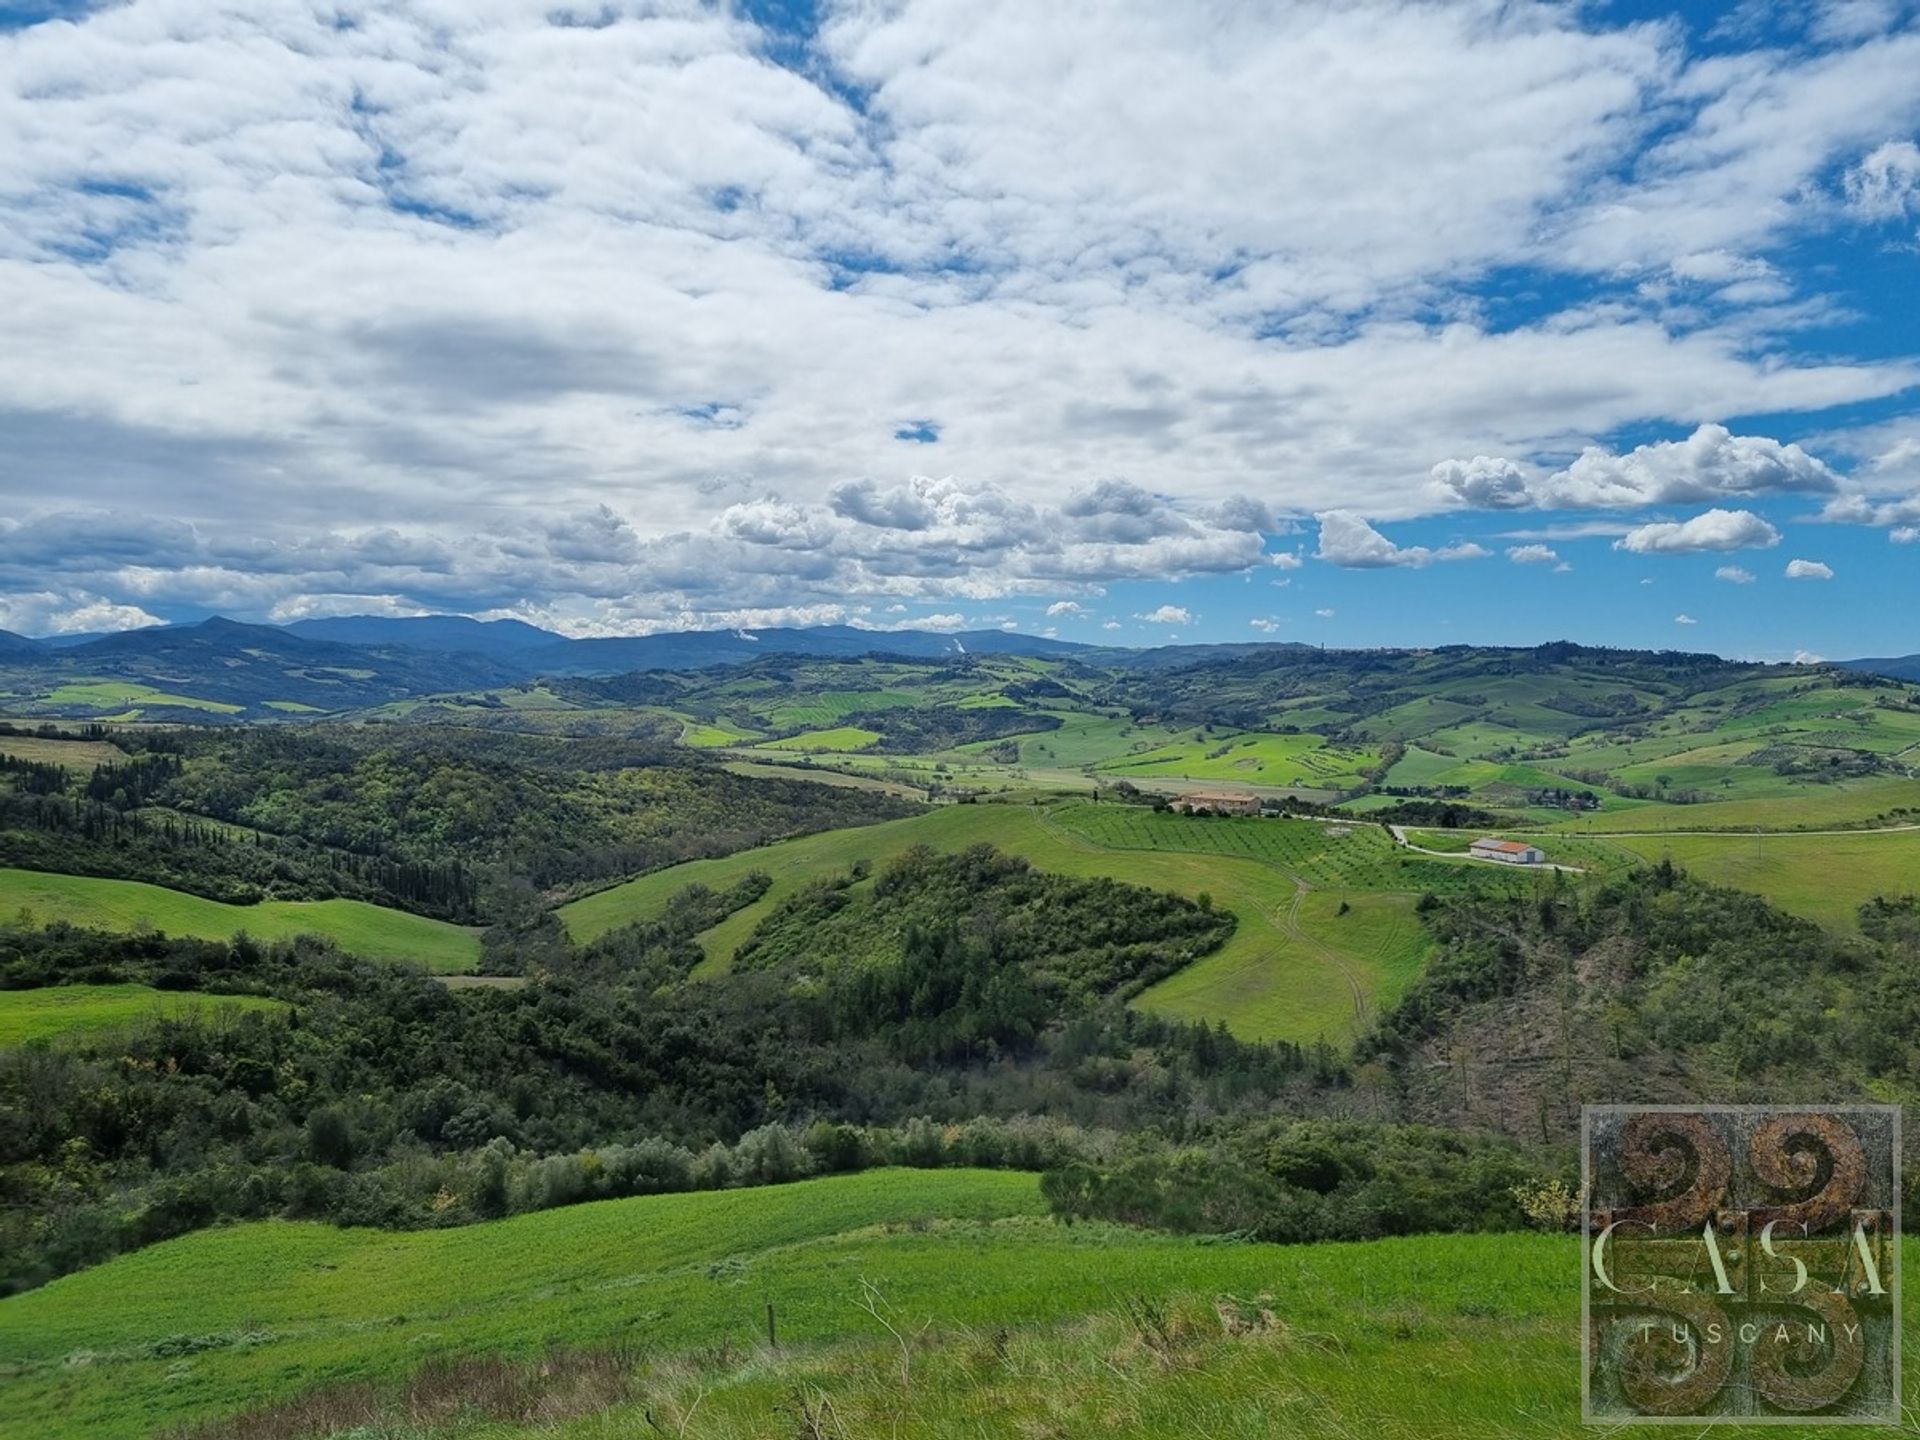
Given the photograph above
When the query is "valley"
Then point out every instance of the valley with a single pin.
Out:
(899, 991)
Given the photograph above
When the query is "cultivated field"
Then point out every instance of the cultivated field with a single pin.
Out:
(59, 1010)
(77, 755)
(370, 930)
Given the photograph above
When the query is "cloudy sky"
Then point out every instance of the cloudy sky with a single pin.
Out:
(1347, 323)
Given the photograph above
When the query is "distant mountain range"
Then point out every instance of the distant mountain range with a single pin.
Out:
(221, 666)
(1900, 667)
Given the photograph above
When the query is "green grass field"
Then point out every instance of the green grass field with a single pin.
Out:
(839, 737)
(115, 694)
(1305, 762)
(78, 755)
(58, 1010)
(1823, 877)
(373, 931)
(1021, 1326)
(1807, 806)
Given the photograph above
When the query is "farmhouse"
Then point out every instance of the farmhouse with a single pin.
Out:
(1511, 852)
(1202, 802)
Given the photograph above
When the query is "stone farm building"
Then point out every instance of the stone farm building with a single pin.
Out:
(1511, 852)
(1204, 802)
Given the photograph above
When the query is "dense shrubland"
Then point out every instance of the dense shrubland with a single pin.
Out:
(462, 826)
(386, 1098)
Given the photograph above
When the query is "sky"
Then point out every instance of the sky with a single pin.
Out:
(1343, 323)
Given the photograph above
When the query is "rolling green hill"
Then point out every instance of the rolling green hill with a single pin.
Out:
(370, 930)
(227, 1319)
(1297, 966)
(1017, 1325)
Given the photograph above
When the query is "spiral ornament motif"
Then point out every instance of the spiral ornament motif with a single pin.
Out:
(1741, 1263)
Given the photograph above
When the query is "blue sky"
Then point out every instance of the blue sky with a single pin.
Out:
(1377, 324)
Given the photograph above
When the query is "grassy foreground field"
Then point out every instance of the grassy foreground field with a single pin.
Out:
(56, 1010)
(1296, 968)
(374, 931)
(1015, 1325)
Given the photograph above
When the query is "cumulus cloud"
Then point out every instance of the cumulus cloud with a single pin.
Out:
(1885, 185)
(52, 612)
(1711, 464)
(1349, 541)
(1167, 615)
(1904, 534)
(1809, 570)
(1734, 575)
(1711, 530)
(1326, 614)
(1533, 555)
(1484, 482)
(1069, 608)
(351, 292)
(1685, 620)
(1267, 626)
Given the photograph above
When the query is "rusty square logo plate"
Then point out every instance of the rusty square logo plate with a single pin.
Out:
(1741, 1263)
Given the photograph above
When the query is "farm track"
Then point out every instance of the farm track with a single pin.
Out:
(1400, 838)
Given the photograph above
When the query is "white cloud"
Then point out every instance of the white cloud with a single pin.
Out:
(1711, 530)
(1710, 464)
(1068, 608)
(1885, 185)
(1809, 570)
(351, 291)
(1167, 615)
(1734, 575)
(1111, 625)
(1685, 620)
(949, 621)
(1904, 535)
(1484, 482)
(1266, 625)
(1286, 559)
(49, 612)
(1324, 614)
(1533, 555)
(1348, 540)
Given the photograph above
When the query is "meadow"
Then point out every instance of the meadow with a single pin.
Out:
(374, 931)
(62, 1010)
(119, 694)
(917, 1303)
(1300, 762)
(76, 755)
(1825, 878)
(1806, 806)
(839, 737)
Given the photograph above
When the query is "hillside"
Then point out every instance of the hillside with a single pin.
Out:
(955, 1258)
(375, 931)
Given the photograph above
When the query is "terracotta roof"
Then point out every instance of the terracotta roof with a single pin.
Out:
(1508, 847)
